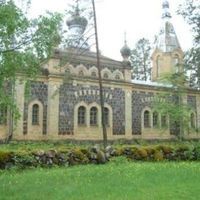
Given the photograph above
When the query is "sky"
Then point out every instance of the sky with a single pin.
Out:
(138, 18)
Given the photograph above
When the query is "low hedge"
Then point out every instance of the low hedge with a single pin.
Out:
(95, 155)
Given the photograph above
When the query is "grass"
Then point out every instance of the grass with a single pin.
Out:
(118, 180)
(64, 145)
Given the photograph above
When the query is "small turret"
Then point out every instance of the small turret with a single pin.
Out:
(125, 51)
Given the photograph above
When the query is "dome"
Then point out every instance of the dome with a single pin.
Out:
(77, 20)
(125, 51)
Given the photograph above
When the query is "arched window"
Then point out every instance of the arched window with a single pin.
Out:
(192, 120)
(155, 119)
(146, 119)
(158, 65)
(81, 115)
(35, 114)
(93, 116)
(94, 74)
(3, 115)
(105, 75)
(163, 121)
(176, 59)
(81, 73)
(117, 77)
(106, 116)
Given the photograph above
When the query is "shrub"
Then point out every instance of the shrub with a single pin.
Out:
(184, 153)
(25, 160)
(150, 151)
(158, 155)
(5, 157)
(196, 153)
(165, 149)
(119, 151)
(76, 156)
(140, 154)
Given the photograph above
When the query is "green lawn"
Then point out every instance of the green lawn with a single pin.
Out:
(118, 180)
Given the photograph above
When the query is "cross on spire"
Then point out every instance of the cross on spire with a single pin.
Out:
(166, 13)
(125, 41)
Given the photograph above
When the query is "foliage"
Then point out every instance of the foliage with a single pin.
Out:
(22, 159)
(190, 10)
(192, 65)
(140, 60)
(5, 157)
(25, 44)
(174, 103)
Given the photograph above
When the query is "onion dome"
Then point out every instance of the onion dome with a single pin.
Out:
(77, 21)
(125, 51)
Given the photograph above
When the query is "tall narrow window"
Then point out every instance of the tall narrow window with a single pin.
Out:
(3, 115)
(94, 74)
(155, 119)
(146, 119)
(192, 120)
(158, 66)
(106, 116)
(93, 116)
(81, 115)
(81, 73)
(117, 77)
(105, 76)
(176, 63)
(163, 121)
(35, 114)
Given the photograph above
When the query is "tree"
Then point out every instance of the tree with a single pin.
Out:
(25, 44)
(140, 60)
(77, 42)
(174, 102)
(99, 77)
(192, 65)
(190, 10)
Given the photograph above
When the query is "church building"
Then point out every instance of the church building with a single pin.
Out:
(64, 101)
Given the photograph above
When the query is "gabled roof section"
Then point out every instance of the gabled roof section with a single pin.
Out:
(75, 55)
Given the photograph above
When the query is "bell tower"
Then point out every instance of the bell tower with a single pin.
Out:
(168, 55)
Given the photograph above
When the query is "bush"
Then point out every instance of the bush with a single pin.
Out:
(5, 158)
(24, 160)
(165, 149)
(138, 154)
(76, 156)
(158, 155)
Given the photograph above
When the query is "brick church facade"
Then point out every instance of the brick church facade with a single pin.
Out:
(64, 101)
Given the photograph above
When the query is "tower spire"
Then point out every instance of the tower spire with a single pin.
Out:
(168, 51)
(167, 40)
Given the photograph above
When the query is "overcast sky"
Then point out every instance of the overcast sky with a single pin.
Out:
(139, 18)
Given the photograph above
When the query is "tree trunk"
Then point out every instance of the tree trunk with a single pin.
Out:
(100, 79)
